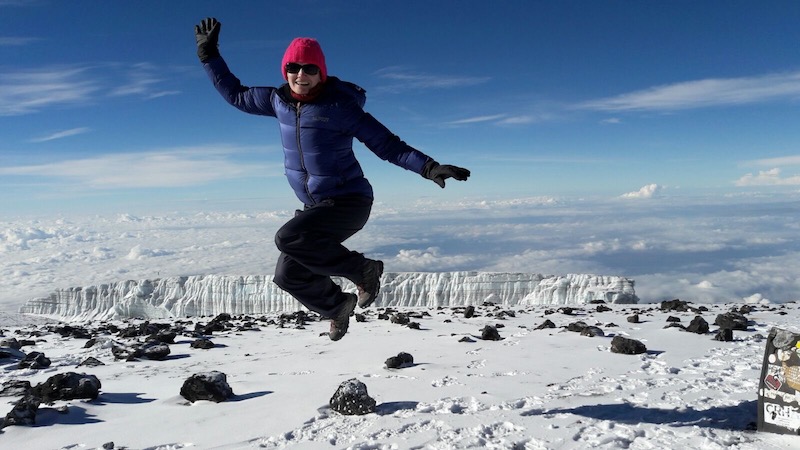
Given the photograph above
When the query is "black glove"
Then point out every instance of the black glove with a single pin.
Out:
(440, 172)
(207, 36)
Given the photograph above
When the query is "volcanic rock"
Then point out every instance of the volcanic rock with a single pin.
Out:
(68, 386)
(352, 398)
(211, 386)
(627, 346)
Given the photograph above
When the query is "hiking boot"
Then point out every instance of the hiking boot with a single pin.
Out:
(371, 283)
(341, 320)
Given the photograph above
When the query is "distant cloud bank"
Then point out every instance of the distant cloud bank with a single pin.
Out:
(770, 177)
(703, 93)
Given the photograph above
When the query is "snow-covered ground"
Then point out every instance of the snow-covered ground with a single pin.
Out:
(534, 389)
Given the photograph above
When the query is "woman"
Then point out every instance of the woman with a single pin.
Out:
(319, 116)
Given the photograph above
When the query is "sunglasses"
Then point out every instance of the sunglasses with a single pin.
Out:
(308, 69)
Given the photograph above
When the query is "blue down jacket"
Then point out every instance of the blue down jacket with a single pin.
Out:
(318, 137)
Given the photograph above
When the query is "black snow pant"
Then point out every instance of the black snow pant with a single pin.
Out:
(312, 251)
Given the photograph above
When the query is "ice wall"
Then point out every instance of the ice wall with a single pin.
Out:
(213, 294)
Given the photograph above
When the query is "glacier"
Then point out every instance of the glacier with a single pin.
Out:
(209, 295)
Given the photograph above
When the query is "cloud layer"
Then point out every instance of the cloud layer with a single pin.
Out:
(699, 250)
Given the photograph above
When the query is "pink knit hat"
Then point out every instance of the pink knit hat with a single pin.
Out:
(306, 51)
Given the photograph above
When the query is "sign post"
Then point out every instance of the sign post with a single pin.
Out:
(779, 386)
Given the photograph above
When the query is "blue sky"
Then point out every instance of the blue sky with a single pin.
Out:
(105, 107)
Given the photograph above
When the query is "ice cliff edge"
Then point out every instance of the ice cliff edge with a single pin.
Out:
(209, 295)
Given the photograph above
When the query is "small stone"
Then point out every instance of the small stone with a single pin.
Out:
(627, 346)
(352, 398)
(23, 412)
(211, 386)
(202, 344)
(393, 362)
(34, 360)
(724, 335)
(490, 333)
(68, 386)
(400, 319)
(154, 350)
(698, 325)
(91, 362)
(592, 332)
(577, 327)
(732, 320)
(14, 388)
(469, 312)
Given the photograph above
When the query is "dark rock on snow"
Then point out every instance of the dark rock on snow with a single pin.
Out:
(202, 343)
(154, 350)
(732, 321)
(211, 386)
(68, 386)
(627, 346)
(675, 305)
(592, 331)
(698, 325)
(11, 343)
(400, 319)
(490, 333)
(91, 362)
(546, 324)
(402, 359)
(23, 412)
(34, 360)
(352, 398)
(469, 312)
(724, 335)
(15, 388)
(577, 327)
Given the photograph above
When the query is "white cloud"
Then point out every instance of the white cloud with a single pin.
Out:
(407, 79)
(139, 252)
(61, 134)
(10, 41)
(771, 177)
(503, 119)
(141, 80)
(523, 119)
(703, 93)
(649, 191)
(479, 119)
(27, 91)
(167, 168)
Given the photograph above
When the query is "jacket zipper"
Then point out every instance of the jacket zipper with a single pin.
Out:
(300, 153)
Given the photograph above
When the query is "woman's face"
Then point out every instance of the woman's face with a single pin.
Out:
(302, 83)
